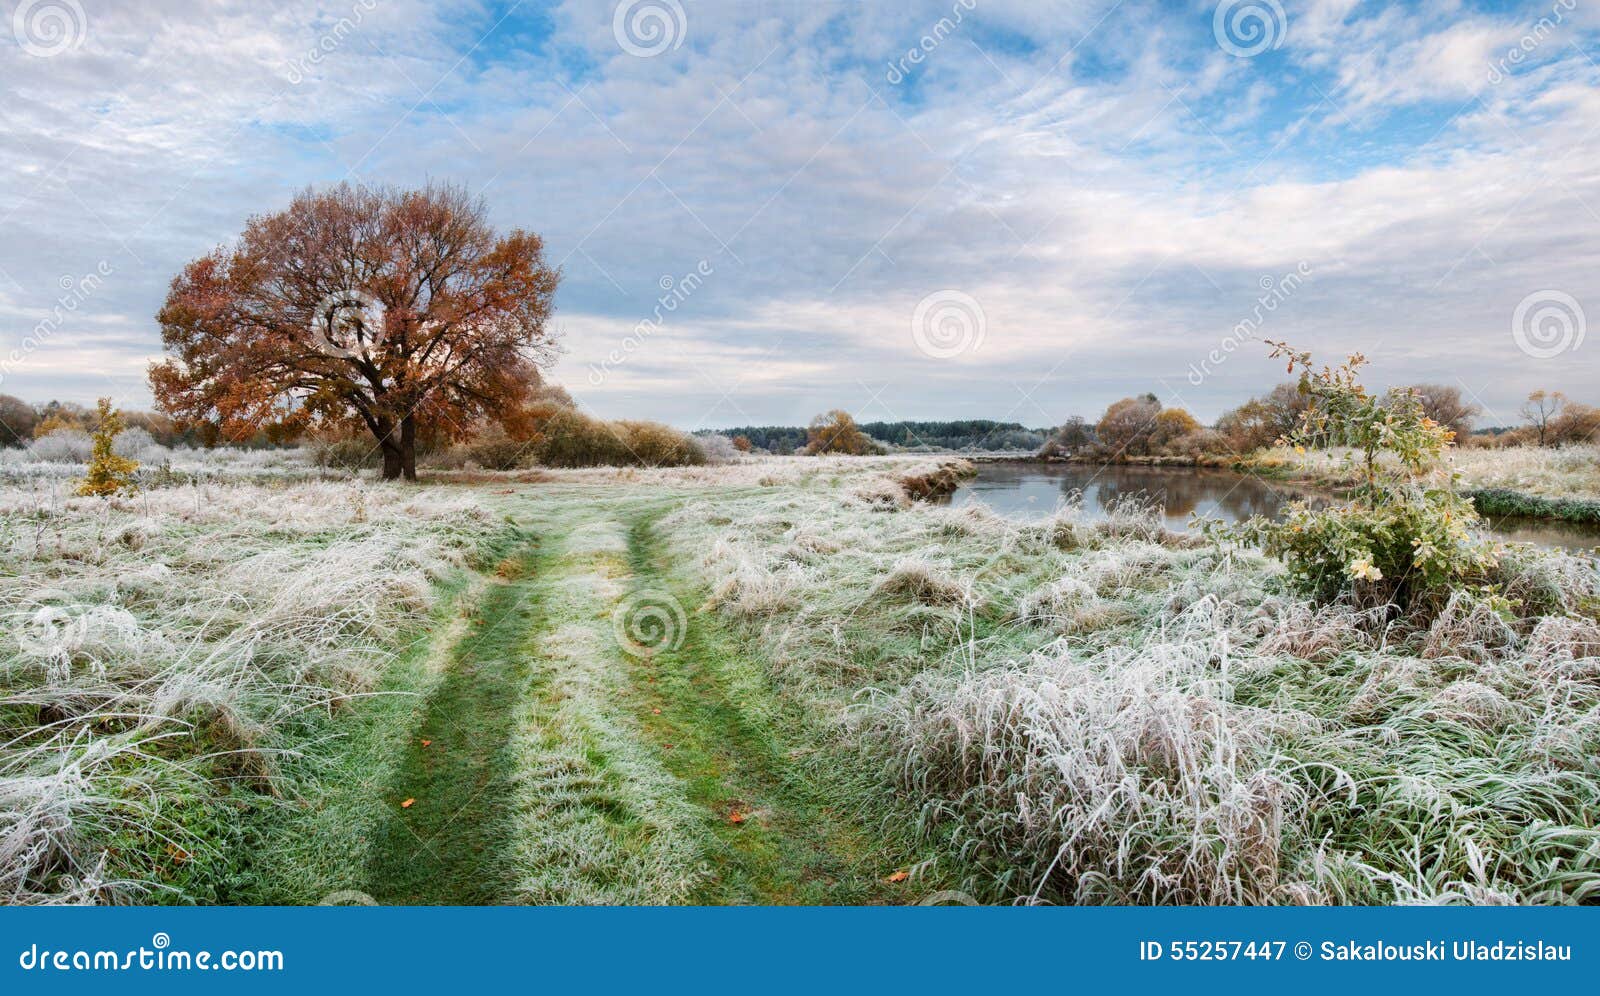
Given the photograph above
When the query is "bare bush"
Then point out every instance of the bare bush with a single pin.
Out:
(717, 449)
(62, 446)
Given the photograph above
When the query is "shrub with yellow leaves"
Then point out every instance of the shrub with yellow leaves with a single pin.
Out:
(109, 473)
(1397, 540)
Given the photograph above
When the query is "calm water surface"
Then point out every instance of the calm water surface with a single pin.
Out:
(1028, 490)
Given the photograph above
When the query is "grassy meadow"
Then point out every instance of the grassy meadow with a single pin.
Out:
(780, 680)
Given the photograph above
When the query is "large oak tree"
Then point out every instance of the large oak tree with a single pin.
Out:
(398, 310)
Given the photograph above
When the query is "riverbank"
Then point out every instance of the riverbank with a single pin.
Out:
(1500, 502)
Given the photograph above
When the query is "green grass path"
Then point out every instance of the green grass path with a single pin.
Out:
(777, 839)
(549, 764)
(446, 845)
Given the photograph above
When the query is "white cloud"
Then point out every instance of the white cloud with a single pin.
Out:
(1111, 196)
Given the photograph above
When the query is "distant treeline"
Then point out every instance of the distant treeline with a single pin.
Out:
(965, 434)
(21, 423)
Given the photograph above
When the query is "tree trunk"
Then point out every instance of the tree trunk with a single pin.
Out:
(389, 444)
(408, 447)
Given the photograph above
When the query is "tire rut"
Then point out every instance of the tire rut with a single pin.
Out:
(448, 826)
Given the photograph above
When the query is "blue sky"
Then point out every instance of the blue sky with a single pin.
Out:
(1051, 206)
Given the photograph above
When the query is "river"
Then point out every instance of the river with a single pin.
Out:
(1036, 489)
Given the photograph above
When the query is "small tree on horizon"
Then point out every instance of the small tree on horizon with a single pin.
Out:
(1171, 425)
(1541, 409)
(836, 432)
(1073, 436)
(1127, 425)
(109, 473)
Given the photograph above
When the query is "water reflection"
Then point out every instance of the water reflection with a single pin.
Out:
(1037, 489)
(1030, 490)
(1548, 532)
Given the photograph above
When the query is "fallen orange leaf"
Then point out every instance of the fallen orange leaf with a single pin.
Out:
(656, 712)
(899, 876)
(735, 817)
(407, 804)
(427, 743)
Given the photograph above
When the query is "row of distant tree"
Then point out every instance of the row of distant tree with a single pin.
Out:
(960, 434)
(21, 422)
(1132, 427)
(1142, 426)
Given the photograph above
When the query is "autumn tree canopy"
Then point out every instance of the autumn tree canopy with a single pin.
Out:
(1171, 425)
(836, 432)
(1261, 422)
(1127, 425)
(398, 310)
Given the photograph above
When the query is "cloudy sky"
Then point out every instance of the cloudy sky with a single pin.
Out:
(1017, 209)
